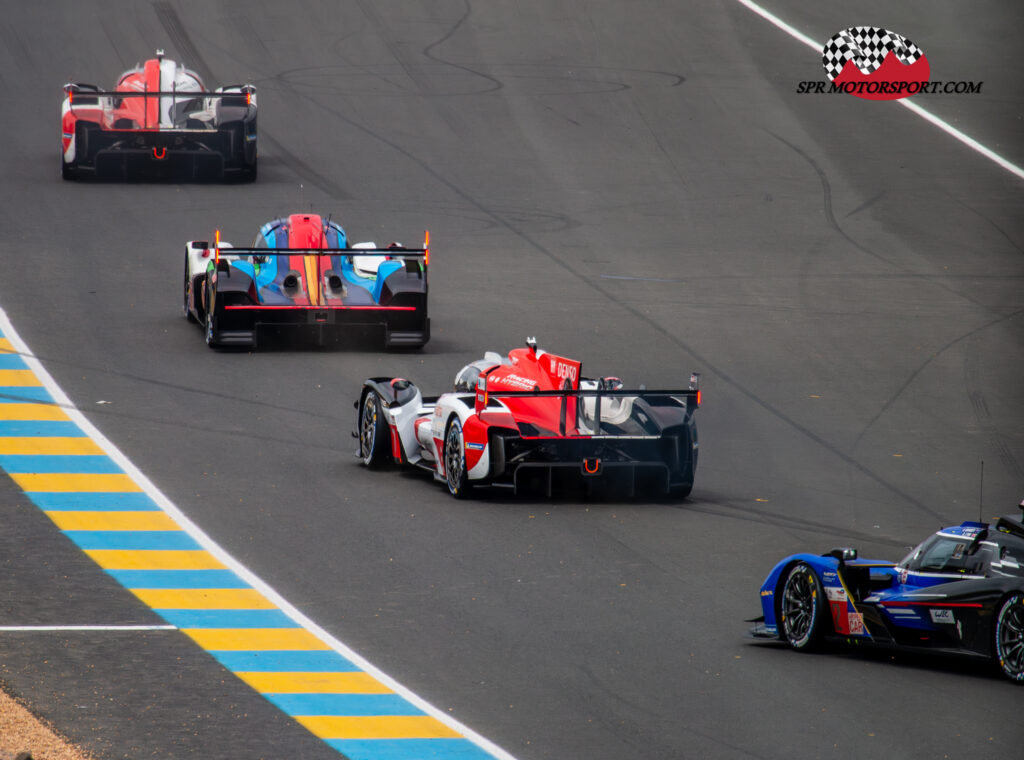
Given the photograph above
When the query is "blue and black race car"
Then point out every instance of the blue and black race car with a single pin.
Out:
(961, 591)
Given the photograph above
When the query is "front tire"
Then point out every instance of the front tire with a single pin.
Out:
(455, 460)
(1009, 633)
(373, 431)
(802, 608)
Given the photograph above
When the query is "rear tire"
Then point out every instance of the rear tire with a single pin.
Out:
(250, 173)
(211, 331)
(1009, 635)
(185, 302)
(455, 460)
(373, 432)
(802, 608)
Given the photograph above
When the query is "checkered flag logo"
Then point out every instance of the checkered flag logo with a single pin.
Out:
(867, 47)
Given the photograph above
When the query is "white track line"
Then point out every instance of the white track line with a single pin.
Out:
(949, 129)
(221, 554)
(88, 627)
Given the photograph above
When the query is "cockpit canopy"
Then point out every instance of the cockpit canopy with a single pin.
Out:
(465, 380)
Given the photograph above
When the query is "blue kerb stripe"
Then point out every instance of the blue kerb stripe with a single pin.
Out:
(12, 361)
(23, 394)
(145, 579)
(131, 501)
(40, 429)
(312, 661)
(141, 540)
(59, 463)
(344, 704)
(227, 618)
(409, 749)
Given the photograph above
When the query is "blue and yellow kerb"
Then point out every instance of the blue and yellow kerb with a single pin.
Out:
(119, 519)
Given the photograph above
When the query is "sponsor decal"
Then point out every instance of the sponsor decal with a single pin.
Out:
(903, 575)
(835, 594)
(856, 622)
(767, 593)
(564, 370)
(474, 446)
(874, 63)
(517, 381)
(943, 616)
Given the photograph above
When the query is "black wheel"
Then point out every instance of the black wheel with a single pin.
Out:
(250, 173)
(802, 608)
(455, 460)
(67, 171)
(373, 432)
(185, 304)
(1010, 638)
(211, 336)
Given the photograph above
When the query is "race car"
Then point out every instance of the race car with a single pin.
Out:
(531, 422)
(961, 591)
(159, 121)
(300, 275)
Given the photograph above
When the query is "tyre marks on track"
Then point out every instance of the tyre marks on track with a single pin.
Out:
(99, 500)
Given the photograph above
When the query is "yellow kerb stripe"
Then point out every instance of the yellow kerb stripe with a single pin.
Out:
(26, 445)
(314, 683)
(245, 639)
(151, 559)
(203, 598)
(91, 482)
(377, 727)
(18, 377)
(31, 412)
(112, 520)
(6, 347)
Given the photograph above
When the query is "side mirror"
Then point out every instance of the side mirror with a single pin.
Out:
(842, 554)
(480, 402)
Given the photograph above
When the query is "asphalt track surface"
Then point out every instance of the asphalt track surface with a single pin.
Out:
(639, 186)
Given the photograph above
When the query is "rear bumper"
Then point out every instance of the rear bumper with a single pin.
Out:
(237, 326)
(656, 466)
(180, 153)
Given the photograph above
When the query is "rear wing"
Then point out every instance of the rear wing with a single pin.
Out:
(88, 94)
(417, 256)
(607, 405)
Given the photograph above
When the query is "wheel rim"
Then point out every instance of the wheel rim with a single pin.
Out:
(1010, 635)
(209, 328)
(799, 603)
(368, 428)
(454, 460)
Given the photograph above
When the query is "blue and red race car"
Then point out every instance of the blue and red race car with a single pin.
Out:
(961, 591)
(300, 275)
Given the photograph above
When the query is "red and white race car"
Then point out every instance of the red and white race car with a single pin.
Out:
(531, 422)
(159, 120)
